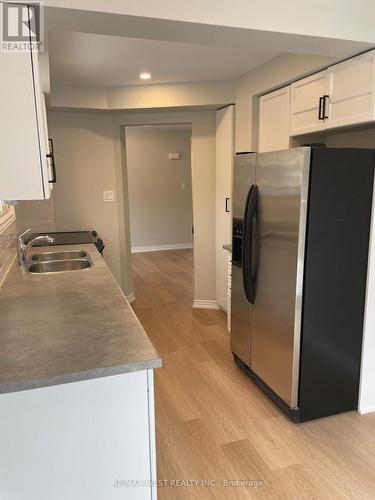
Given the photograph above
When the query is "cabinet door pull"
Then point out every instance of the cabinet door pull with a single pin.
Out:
(51, 157)
(324, 101)
(227, 205)
(320, 113)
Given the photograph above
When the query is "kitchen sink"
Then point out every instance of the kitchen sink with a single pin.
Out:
(58, 266)
(65, 255)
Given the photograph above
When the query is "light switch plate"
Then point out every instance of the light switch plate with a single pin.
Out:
(174, 156)
(108, 196)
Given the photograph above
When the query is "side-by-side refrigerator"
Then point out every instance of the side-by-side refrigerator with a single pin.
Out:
(301, 226)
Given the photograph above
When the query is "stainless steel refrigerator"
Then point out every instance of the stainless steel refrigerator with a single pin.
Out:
(301, 225)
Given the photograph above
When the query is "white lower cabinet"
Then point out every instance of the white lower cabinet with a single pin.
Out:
(88, 440)
(274, 111)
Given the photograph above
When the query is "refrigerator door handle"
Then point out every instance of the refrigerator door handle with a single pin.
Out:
(247, 244)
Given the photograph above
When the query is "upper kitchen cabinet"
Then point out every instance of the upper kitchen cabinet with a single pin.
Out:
(274, 111)
(307, 104)
(351, 89)
(24, 165)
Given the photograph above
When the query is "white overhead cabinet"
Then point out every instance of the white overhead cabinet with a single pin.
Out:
(24, 167)
(274, 112)
(351, 91)
(306, 104)
(340, 96)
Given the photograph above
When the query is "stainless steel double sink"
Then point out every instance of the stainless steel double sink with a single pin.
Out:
(57, 262)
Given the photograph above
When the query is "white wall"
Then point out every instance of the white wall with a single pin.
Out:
(160, 208)
(133, 97)
(215, 93)
(367, 386)
(203, 169)
(84, 155)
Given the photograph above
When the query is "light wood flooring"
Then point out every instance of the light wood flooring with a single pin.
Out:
(213, 423)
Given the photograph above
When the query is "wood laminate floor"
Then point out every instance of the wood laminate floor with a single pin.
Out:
(214, 424)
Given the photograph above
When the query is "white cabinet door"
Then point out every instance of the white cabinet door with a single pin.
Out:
(87, 440)
(274, 112)
(23, 162)
(224, 174)
(351, 86)
(305, 110)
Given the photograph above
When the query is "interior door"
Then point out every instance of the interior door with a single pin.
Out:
(243, 180)
(282, 181)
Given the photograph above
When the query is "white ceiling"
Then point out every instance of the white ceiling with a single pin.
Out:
(102, 60)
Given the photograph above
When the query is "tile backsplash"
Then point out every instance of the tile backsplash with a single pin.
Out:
(7, 248)
(37, 215)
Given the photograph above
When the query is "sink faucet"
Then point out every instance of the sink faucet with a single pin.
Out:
(23, 247)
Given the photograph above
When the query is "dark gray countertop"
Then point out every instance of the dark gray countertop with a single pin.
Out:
(65, 327)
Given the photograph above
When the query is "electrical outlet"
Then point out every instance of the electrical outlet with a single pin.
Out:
(108, 196)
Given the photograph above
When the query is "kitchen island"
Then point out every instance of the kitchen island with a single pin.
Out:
(76, 387)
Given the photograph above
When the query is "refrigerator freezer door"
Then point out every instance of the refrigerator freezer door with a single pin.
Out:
(282, 180)
(243, 179)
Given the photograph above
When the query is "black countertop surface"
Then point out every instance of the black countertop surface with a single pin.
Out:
(68, 238)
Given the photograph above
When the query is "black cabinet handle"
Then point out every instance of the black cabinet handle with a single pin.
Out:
(51, 156)
(325, 97)
(320, 114)
(227, 205)
(322, 107)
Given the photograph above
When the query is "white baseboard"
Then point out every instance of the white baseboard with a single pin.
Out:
(158, 248)
(205, 304)
(366, 409)
(130, 298)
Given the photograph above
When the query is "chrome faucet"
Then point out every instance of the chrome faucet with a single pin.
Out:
(23, 247)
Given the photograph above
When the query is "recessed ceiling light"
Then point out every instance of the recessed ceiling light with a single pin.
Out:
(145, 76)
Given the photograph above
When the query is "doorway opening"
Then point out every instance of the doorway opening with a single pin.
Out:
(159, 182)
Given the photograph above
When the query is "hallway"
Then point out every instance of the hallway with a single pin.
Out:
(213, 423)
